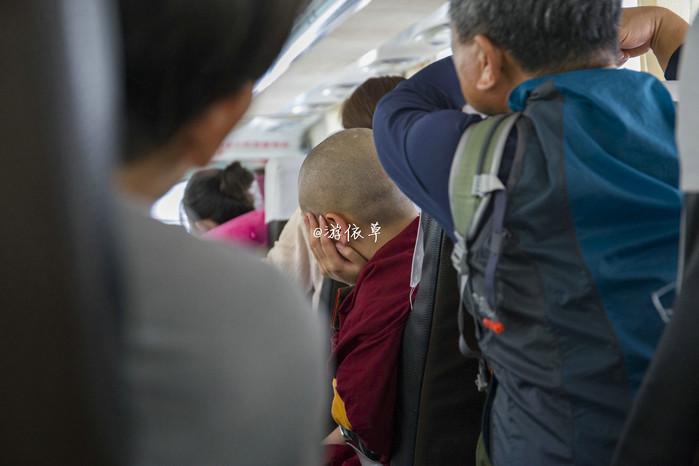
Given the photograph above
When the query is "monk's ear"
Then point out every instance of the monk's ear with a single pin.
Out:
(340, 223)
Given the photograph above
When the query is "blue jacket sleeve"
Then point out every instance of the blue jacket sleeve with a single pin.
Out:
(417, 128)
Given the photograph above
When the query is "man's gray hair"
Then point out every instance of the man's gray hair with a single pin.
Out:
(543, 35)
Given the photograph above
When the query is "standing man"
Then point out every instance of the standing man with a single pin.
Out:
(587, 225)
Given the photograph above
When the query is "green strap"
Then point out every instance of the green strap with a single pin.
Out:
(473, 178)
(475, 169)
(482, 458)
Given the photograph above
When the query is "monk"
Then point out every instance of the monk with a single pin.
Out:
(351, 205)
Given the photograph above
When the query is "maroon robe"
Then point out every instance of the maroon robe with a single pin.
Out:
(366, 347)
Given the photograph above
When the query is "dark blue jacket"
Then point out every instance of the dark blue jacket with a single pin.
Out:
(417, 128)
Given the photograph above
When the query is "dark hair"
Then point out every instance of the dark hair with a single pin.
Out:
(219, 195)
(358, 109)
(543, 35)
(180, 56)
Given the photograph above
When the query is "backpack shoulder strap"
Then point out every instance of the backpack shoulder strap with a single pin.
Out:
(474, 171)
(472, 182)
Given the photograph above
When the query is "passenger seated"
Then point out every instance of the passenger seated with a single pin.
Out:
(349, 201)
(591, 218)
(291, 252)
(219, 204)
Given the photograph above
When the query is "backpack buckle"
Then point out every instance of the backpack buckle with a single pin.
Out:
(483, 377)
(489, 319)
(486, 184)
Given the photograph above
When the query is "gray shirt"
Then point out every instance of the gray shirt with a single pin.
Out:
(223, 363)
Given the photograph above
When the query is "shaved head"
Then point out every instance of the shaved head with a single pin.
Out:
(343, 175)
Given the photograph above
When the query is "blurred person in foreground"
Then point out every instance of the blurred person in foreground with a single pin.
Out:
(215, 373)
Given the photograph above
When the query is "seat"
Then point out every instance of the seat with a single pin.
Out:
(58, 329)
(328, 296)
(281, 193)
(439, 408)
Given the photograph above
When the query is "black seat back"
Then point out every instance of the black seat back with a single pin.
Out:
(439, 407)
(274, 231)
(58, 395)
